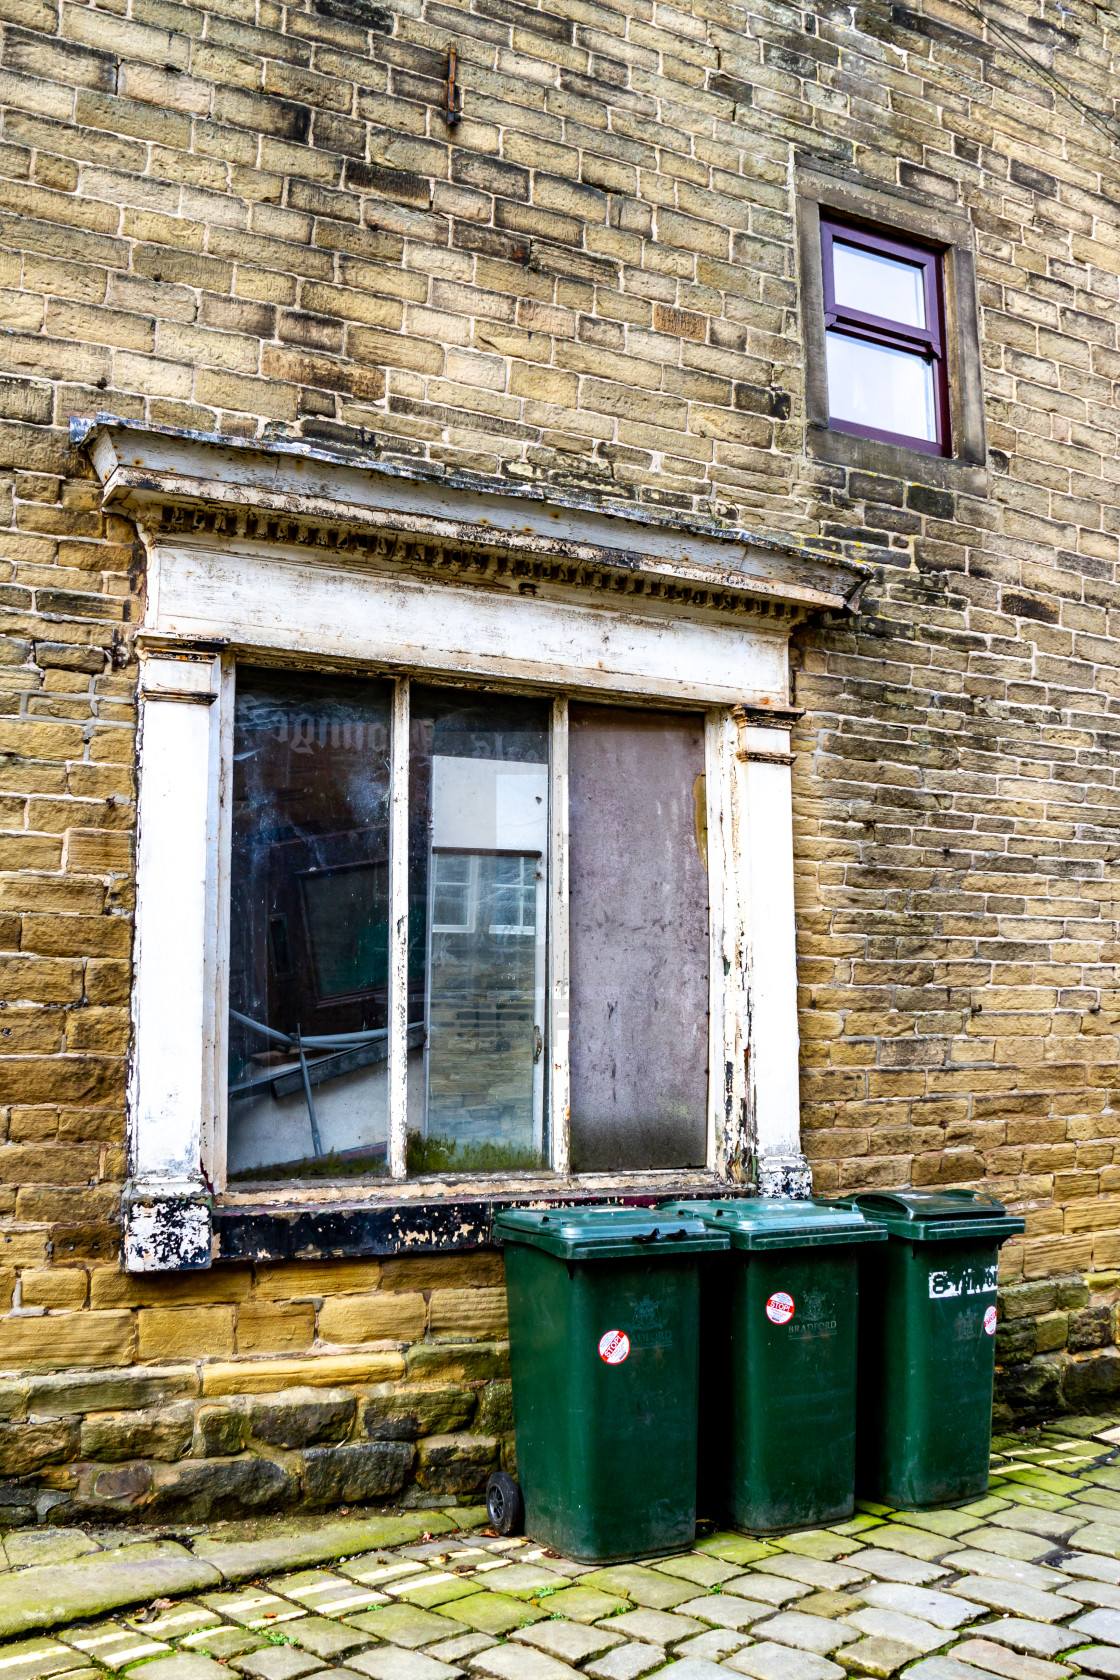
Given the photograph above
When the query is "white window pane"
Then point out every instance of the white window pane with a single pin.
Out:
(452, 911)
(873, 385)
(879, 285)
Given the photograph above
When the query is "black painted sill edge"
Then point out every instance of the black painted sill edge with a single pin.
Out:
(445, 1227)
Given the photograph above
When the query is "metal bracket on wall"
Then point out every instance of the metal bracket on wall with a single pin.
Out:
(452, 114)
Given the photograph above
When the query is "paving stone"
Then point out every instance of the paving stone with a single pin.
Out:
(942, 1668)
(185, 1665)
(1046, 1522)
(905, 1630)
(1100, 1593)
(725, 1610)
(431, 1590)
(808, 1633)
(834, 1604)
(1097, 1537)
(583, 1604)
(570, 1641)
(767, 1589)
(1008, 1569)
(375, 1568)
(715, 1644)
(769, 1661)
(627, 1662)
(692, 1668)
(26, 1546)
(326, 1639)
(640, 1586)
(1035, 1637)
(175, 1623)
(35, 1659)
(1099, 1659)
(914, 1542)
(494, 1613)
(113, 1645)
(997, 1659)
(247, 1560)
(1013, 1597)
(876, 1655)
(1009, 1542)
(56, 1593)
(1091, 1567)
(325, 1593)
(464, 1645)
(813, 1572)
(405, 1624)
(277, 1662)
(394, 1664)
(949, 1523)
(703, 1571)
(223, 1642)
(516, 1662)
(658, 1627)
(821, 1543)
(1103, 1625)
(517, 1579)
(936, 1607)
(254, 1609)
(897, 1566)
(734, 1548)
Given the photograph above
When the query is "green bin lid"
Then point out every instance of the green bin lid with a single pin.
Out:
(759, 1222)
(608, 1233)
(937, 1215)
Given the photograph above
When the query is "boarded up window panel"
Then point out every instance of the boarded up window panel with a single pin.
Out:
(639, 940)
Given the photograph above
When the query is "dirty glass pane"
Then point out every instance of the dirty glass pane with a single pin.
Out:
(478, 851)
(879, 285)
(638, 918)
(875, 385)
(309, 914)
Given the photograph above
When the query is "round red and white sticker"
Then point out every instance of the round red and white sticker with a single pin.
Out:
(614, 1347)
(990, 1322)
(779, 1308)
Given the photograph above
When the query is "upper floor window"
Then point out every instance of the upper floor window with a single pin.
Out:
(885, 338)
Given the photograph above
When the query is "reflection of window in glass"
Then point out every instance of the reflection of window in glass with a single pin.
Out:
(309, 915)
(884, 338)
(478, 844)
(514, 905)
(638, 916)
(454, 892)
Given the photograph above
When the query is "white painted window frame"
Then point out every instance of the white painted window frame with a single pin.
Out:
(616, 611)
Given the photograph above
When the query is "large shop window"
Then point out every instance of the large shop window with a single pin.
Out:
(312, 896)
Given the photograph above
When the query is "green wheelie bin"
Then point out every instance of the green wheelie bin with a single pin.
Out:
(604, 1350)
(927, 1345)
(778, 1362)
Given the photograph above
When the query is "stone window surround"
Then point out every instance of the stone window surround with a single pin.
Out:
(283, 552)
(892, 211)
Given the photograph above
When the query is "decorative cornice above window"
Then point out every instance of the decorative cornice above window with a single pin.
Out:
(179, 484)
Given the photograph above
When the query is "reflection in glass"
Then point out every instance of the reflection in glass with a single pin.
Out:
(478, 849)
(874, 385)
(309, 913)
(638, 914)
(878, 285)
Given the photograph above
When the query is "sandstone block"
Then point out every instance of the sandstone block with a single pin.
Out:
(385, 1315)
(219, 1432)
(73, 1392)
(267, 1376)
(178, 1332)
(164, 1432)
(199, 1490)
(468, 1312)
(456, 1463)
(275, 1326)
(65, 1339)
(405, 1411)
(355, 1472)
(300, 1417)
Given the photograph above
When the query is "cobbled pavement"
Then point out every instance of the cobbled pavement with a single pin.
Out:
(1023, 1584)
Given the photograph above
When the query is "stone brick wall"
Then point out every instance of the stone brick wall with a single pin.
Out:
(251, 217)
(247, 1389)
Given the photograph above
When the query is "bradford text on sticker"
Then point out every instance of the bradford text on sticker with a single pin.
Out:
(614, 1347)
(779, 1308)
(990, 1322)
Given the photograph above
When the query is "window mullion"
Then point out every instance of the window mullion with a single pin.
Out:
(559, 1082)
(398, 931)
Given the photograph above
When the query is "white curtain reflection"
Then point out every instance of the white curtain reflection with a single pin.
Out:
(874, 385)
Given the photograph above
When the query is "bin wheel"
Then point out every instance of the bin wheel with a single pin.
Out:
(503, 1504)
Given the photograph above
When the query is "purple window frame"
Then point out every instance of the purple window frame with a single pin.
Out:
(927, 341)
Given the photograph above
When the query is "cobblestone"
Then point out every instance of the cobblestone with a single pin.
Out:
(849, 1603)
